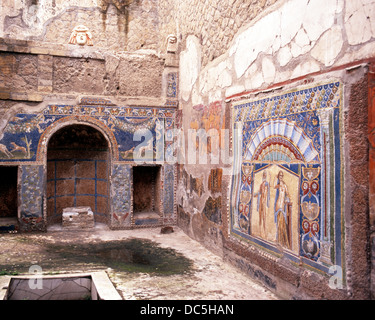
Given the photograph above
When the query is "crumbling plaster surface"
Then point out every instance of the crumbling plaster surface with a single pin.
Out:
(190, 65)
(115, 25)
(213, 22)
(288, 40)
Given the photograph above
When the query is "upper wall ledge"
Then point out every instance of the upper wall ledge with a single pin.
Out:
(67, 50)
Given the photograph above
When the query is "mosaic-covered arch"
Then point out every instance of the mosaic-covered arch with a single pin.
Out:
(71, 120)
(24, 142)
(294, 144)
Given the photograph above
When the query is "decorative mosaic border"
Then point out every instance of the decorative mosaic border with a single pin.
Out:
(32, 198)
(25, 137)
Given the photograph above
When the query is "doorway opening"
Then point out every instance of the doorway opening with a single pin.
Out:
(146, 194)
(77, 172)
(8, 198)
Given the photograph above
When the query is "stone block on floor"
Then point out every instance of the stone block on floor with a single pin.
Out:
(78, 218)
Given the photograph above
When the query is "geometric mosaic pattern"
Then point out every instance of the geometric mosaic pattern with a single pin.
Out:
(31, 197)
(169, 181)
(121, 195)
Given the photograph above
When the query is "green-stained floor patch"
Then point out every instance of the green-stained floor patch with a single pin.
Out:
(130, 255)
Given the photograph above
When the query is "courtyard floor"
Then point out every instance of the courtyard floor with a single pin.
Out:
(143, 264)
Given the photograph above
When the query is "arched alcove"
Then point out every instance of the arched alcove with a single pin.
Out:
(78, 162)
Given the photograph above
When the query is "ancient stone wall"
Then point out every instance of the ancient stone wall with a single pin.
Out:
(272, 98)
(30, 72)
(300, 65)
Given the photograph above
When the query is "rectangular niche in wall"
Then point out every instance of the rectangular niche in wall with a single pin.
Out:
(146, 194)
(8, 196)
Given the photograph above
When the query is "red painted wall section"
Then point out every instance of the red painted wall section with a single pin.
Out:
(371, 132)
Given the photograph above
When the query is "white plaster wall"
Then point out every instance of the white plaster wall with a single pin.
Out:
(190, 66)
(35, 16)
(290, 39)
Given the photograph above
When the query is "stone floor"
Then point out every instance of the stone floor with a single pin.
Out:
(207, 276)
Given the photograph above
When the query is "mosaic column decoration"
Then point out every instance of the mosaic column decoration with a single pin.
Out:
(326, 125)
(121, 185)
(171, 89)
(168, 193)
(31, 198)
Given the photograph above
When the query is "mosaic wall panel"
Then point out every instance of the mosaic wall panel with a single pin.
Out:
(31, 197)
(24, 141)
(172, 89)
(172, 84)
(287, 188)
(169, 189)
(121, 195)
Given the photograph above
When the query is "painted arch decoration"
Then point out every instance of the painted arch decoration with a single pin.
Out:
(288, 175)
(280, 140)
(25, 138)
